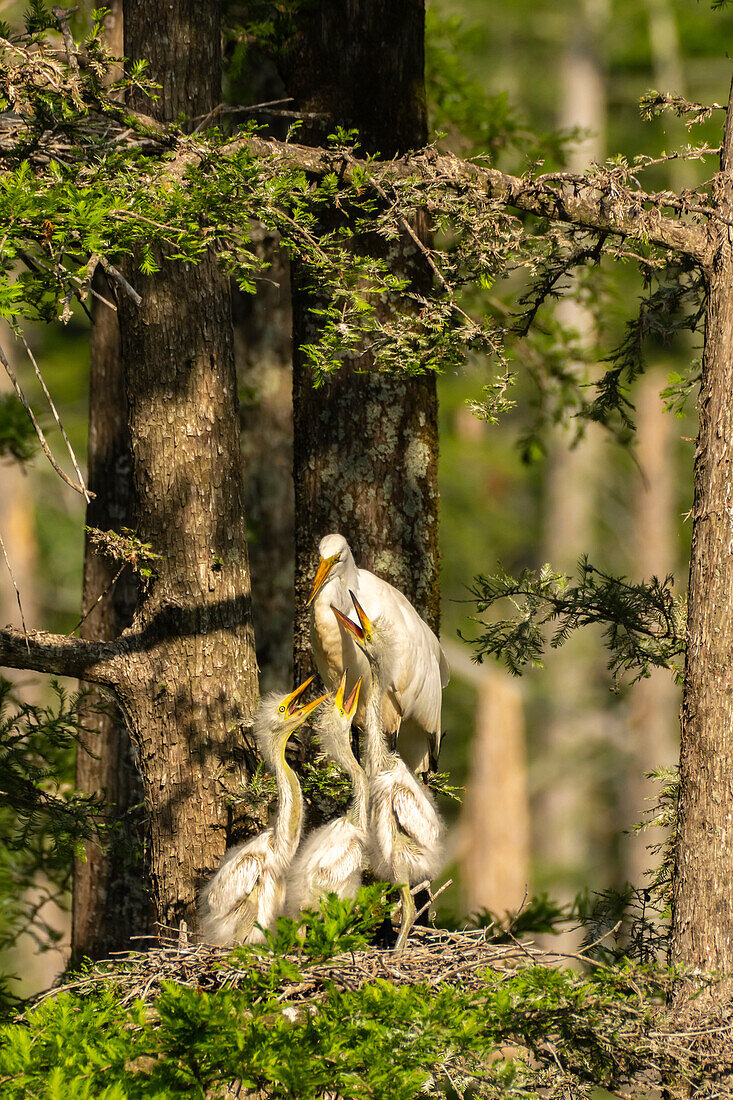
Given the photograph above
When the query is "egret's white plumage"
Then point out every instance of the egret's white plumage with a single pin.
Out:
(331, 859)
(247, 893)
(412, 697)
(405, 829)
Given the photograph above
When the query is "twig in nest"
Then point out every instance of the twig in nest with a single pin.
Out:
(62, 18)
(17, 593)
(432, 896)
(41, 437)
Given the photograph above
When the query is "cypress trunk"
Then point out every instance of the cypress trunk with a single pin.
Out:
(111, 898)
(189, 681)
(365, 444)
(702, 932)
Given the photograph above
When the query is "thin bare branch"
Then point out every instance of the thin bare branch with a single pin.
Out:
(17, 592)
(726, 152)
(99, 598)
(41, 437)
(85, 492)
(120, 279)
(62, 18)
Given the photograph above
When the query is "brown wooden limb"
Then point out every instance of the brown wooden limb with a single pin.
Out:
(39, 651)
(583, 201)
(62, 18)
(726, 151)
(120, 279)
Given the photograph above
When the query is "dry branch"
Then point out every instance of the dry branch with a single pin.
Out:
(97, 662)
(578, 200)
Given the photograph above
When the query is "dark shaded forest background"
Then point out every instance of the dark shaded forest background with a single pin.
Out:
(554, 763)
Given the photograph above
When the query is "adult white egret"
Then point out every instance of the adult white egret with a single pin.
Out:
(247, 893)
(332, 858)
(411, 701)
(405, 829)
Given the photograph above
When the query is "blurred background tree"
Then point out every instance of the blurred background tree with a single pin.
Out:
(502, 79)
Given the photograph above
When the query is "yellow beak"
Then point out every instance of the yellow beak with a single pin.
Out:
(363, 618)
(339, 694)
(302, 713)
(289, 702)
(346, 622)
(353, 701)
(347, 707)
(324, 568)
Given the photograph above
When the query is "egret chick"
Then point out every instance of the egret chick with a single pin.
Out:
(411, 705)
(405, 829)
(331, 859)
(247, 893)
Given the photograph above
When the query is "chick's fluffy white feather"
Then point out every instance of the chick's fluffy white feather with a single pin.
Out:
(405, 831)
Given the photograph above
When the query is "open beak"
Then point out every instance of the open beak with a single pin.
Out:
(353, 701)
(324, 568)
(347, 706)
(346, 622)
(366, 625)
(303, 712)
(339, 694)
(291, 702)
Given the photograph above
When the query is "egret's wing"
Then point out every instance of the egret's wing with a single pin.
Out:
(238, 875)
(325, 863)
(415, 815)
(419, 661)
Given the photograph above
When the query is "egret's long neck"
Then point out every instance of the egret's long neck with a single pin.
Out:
(358, 808)
(376, 752)
(289, 818)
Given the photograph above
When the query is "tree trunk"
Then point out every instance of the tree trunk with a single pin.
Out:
(365, 445)
(654, 702)
(111, 898)
(702, 929)
(262, 340)
(111, 890)
(567, 850)
(493, 831)
(189, 680)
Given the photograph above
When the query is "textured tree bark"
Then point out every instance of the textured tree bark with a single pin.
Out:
(111, 897)
(365, 444)
(262, 341)
(189, 679)
(702, 928)
(111, 891)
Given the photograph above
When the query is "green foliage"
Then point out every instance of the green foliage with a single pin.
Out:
(642, 623)
(339, 925)
(662, 815)
(43, 821)
(372, 1038)
(37, 17)
(675, 305)
(125, 548)
(18, 439)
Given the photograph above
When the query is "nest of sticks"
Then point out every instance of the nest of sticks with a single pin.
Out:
(691, 1048)
(432, 956)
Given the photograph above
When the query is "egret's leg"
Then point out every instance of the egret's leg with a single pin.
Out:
(408, 918)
